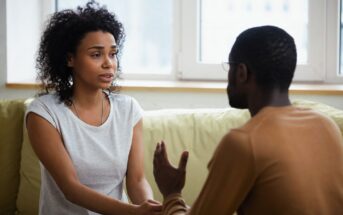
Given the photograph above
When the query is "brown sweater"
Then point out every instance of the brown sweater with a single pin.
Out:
(285, 160)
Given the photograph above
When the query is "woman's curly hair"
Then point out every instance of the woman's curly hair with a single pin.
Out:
(62, 35)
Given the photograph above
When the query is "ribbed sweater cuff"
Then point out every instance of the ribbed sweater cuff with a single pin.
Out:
(174, 205)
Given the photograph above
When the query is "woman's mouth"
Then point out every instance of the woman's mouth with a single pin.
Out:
(107, 77)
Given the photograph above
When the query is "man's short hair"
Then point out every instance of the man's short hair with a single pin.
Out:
(270, 53)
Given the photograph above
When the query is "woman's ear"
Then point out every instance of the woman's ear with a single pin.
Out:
(242, 73)
(70, 60)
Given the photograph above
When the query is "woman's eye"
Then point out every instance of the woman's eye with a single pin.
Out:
(113, 54)
(116, 51)
(96, 54)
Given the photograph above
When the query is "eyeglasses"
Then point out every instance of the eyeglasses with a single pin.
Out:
(226, 65)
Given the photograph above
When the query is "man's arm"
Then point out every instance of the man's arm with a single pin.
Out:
(231, 176)
(174, 205)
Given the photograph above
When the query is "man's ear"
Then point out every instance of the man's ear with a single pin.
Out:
(70, 60)
(242, 73)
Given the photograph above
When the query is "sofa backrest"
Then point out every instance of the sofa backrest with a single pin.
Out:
(28, 194)
(11, 123)
(197, 130)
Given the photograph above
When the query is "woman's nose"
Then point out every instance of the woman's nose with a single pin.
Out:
(108, 62)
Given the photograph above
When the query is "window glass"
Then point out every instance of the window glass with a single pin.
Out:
(148, 28)
(222, 20)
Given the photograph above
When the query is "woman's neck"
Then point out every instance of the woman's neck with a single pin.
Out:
(87, 98)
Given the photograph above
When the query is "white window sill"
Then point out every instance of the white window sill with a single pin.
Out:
(197, 86)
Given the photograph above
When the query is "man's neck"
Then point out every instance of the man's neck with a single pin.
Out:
(261, 99)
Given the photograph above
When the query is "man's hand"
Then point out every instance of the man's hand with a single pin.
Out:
(168, 178)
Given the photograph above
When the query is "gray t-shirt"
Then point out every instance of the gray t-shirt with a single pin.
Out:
(99, 154)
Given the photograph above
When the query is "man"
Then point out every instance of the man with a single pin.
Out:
(284, 160)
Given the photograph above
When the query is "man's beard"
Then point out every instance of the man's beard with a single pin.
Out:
(236, 100)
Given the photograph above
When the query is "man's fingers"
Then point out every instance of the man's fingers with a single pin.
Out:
(160, 154)
(157, 149)
(157, 154)
(183, 161)
(164, 150)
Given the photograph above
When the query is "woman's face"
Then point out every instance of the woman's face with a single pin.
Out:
(94, 64)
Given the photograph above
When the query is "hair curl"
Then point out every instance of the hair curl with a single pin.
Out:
(63, 34)
(270, 53)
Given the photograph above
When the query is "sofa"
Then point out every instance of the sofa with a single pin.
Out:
(196, 130)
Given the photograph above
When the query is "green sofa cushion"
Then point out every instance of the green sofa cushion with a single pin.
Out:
(11, 123)
(333, 113)
(29, 188)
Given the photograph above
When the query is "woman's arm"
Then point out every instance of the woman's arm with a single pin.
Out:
(137, 186)
(48, 145)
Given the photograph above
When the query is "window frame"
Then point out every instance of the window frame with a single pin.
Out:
(333, 33)
(323, 14)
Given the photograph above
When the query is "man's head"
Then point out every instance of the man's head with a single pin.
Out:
(262, 56)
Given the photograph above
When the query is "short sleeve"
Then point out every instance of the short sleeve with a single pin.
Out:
(137, 111)
(42, 109)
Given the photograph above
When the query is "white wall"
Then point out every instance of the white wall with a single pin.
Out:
(3, 47)
(157, 100)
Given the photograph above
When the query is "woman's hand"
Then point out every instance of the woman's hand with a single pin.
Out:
(148, 207)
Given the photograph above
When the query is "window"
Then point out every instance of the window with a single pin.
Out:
(23, 30)
(148, 27)
(188, 39)
(210, 37)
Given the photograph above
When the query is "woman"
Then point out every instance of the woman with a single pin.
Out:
(88, 139)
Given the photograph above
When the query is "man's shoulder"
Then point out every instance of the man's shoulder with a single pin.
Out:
(274, 116)
(237, 137)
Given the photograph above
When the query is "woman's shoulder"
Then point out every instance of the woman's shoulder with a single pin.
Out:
(47, 106)
(121, 98)
(124, 102)
(47, 100)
